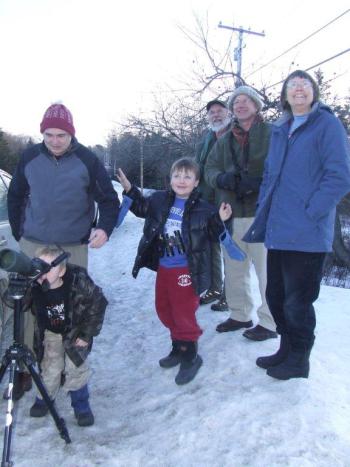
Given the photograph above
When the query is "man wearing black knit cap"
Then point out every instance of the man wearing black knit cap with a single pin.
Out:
(52, 196)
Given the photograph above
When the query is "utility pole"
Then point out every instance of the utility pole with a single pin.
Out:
(238, 50)
(142, 141)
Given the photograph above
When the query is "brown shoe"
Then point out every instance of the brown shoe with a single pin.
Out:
(233, 325)
(259, 333)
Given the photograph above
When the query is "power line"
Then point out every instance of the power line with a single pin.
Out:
(298, 43)
(314, 66)
(336, 77)
(238, 49)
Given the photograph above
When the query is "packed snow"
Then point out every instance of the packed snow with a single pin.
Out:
(232, 414)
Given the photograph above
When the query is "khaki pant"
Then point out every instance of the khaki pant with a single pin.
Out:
(79, 256)
(238, 278)
(56, 361)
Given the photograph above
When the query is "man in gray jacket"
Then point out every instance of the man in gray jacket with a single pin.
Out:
(234, 169)
(51, 200)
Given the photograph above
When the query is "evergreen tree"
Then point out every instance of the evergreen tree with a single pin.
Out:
(8, 160)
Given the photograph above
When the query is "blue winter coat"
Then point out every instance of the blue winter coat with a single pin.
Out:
(306, 175)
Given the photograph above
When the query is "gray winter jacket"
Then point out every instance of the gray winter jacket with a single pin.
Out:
(52, 200)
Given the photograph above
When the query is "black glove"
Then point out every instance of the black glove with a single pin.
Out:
(247, 185)
(227, 181)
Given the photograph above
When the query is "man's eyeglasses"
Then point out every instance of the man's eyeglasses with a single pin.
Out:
(296, 84)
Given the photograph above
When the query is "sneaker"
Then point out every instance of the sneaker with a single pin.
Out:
(188, 370)
(259, 333)
(233, 325)
(85, 418)
(221, 305)
(38, 409)
(210, 296)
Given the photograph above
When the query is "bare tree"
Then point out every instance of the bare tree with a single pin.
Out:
(213, 74)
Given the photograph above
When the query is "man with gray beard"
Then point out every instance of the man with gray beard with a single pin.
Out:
(219, 120)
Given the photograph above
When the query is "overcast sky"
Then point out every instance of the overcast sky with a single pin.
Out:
(105, 58)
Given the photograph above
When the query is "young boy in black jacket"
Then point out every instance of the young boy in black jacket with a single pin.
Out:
(178, 228)
(69, 311)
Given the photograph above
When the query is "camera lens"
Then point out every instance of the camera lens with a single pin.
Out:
(7, 259)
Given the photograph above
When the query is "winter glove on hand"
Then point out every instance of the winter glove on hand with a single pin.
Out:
(247, 185)
(227, 181)
(233, 250)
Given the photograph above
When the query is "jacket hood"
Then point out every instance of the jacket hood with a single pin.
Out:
(315, 109)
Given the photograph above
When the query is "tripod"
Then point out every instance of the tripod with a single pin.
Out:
(18, 354)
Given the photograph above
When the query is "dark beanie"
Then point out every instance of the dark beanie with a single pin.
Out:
(217, 102)
(58, 116)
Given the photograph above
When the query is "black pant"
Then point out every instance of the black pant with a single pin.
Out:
(293, 284)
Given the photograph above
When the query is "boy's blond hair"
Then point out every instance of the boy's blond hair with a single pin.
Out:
(53, 252)
(188, 165)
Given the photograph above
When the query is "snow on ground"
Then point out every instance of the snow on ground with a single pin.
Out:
(231, 415)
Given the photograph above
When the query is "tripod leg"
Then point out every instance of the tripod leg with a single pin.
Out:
(5, 363)
(60, 423)
(2, 371)
(9, 418)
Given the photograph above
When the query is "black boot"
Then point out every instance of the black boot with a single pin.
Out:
(39, 408)
(173, 358)
(278, 357)
(296, 365)
(81, 406)
(190, 362)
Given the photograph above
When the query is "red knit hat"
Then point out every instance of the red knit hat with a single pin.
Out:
(58, 116)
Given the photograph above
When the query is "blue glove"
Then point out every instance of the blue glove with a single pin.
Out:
(233, 250)
(123, 210)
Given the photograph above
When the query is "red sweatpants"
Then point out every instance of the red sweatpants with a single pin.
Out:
(177, 302)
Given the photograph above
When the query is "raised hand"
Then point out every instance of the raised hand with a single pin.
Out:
(225, 211)
(122, 179)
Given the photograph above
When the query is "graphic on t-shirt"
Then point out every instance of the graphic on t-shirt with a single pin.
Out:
(174, 247)
(55, 315)
(174, 221)
(172, 230)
